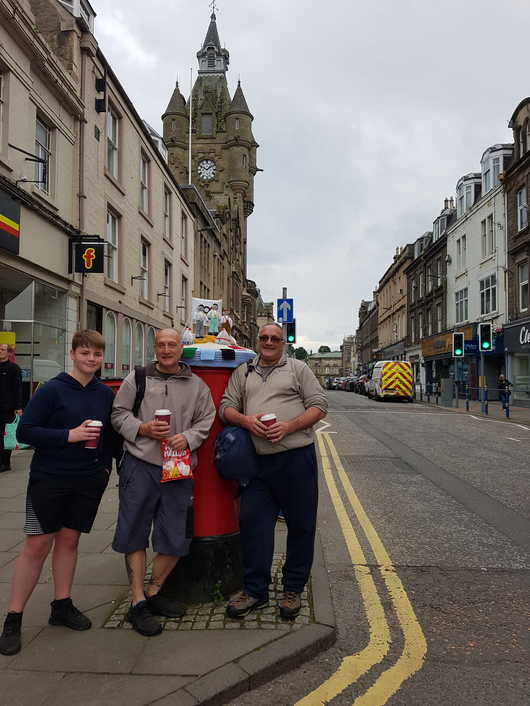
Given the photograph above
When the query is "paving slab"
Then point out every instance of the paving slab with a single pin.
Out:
(115, 689)
(101, 569)
(12, 520)
(95, 542)
(58, 649)
(28, 634)
(9, 539)
(28, 688)
(6, 557)
(188, 653)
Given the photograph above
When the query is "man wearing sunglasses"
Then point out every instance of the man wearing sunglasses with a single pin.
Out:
(287, 481)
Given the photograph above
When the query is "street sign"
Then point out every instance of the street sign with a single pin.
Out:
(285, 310)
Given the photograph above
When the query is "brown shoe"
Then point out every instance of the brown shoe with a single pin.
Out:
(290, 605)
(242, 603)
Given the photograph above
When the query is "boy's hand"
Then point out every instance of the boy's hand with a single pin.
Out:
(178, 442)
(154, 429)
(83, 433)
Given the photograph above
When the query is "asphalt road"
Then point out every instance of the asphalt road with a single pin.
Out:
(425, 524)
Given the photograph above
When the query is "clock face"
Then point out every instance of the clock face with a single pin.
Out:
(206, 169)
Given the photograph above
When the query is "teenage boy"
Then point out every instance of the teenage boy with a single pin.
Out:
(66, 482)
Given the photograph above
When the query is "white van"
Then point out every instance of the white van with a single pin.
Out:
(391, 379)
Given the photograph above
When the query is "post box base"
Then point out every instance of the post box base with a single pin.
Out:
(212, 571)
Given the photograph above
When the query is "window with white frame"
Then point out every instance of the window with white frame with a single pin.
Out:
(412, 330)
(522, 277)
(112, 143)
(43, 152)
(469, 196)
(168, 230)
(111, 254)
(168, 286)
(461, 247)
(184, 235)
(488, 294)
(486, 181)
(437, 272)
(522, 209)
(420, 326)
(413, 291)
(438, 317)
(483, 238)
(144, 268)
(429, 322)
(429, 279)
(460, 200)
(461, 305)
(184, 298)
(491, 235)
(496, 163)
(144, 183)
(421, 286)
(150, 344)
(435, 231)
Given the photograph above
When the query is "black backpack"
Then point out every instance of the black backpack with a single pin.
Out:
(235, 456)
(139, 379)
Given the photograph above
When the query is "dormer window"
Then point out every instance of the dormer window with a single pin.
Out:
(211, 59)
(496, 170)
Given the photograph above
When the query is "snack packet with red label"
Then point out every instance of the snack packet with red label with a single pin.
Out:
(175, 464)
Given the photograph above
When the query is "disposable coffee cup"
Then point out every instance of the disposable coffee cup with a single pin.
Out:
(268, 419)
(163, 415)
(93, 443)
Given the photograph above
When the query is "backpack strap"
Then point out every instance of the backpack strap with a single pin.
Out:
(140, 374)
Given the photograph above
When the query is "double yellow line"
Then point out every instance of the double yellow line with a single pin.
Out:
(414, 644)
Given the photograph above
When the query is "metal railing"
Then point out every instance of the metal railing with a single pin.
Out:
(430, 392)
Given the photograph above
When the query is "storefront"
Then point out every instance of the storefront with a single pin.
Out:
(35, 313)
(517, 350)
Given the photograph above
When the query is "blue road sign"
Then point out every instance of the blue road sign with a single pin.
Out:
(285, 310)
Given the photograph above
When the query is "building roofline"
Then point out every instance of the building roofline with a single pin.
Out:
(524, 102)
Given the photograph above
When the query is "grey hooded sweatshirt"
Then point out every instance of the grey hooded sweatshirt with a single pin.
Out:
(185, 394)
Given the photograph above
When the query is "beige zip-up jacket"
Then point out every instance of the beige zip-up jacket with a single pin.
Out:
(288, 390)
(185, 394)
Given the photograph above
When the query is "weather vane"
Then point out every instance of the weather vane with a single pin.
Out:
(213, 5)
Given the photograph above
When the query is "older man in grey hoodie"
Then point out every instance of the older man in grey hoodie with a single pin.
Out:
(145, 502)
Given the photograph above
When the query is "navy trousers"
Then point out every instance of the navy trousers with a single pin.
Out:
(287, 481)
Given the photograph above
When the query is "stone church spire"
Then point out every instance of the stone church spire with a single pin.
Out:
(212, 58)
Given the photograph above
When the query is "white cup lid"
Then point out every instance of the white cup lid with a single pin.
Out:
(267, 417)
(95, 423)
(162, 411)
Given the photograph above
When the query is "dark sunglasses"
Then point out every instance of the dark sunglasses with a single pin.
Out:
(272, 339)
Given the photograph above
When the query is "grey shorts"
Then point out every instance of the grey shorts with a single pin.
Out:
(147, 504)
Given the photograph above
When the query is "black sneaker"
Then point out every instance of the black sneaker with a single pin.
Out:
(65, 613)
(10, 642)
(143, 621)
(160, 605)
(242, 603)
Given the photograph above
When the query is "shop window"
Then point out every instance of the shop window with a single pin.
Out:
(126, 335)
(139, 344)
(150, 345)
(522, 275)
(109, 367)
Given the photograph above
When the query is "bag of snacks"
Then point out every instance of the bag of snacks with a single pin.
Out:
(175, 464)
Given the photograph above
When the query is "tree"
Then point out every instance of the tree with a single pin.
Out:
(301, 353)
(324, 349)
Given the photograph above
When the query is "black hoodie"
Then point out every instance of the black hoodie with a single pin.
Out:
(60, 405)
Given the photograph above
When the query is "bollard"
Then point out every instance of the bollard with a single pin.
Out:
(507, 407)
(456, 395)
(485, 400)
(467, 398)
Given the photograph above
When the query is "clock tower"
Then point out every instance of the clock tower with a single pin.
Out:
(223, 164)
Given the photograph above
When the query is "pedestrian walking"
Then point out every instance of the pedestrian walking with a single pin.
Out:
(286, 392)
(68, 423)
(147, 504)
(10, 400)
(503, 385)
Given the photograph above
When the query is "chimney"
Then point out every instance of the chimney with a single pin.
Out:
(446, 204)
(451, 202)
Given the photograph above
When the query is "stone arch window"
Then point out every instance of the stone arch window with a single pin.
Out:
(524, 137)
(150, 345)
(207, 124)
(110, 345)
(139, 344)
(211, 59)
(126, 336)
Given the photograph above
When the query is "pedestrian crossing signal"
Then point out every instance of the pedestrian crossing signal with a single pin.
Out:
(485, 342)
(458, 345)
(290, 332)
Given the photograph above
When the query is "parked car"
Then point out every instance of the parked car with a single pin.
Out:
(360, 384)
(391, 379)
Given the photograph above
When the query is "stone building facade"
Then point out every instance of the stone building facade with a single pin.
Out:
(516, 182)
(76, 159)
(366, 337)
(325, 365)
(223, 166)
(392, 307)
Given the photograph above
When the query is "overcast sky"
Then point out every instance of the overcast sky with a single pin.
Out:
(366, 114)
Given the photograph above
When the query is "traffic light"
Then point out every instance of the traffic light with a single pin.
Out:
(458, 345)
(485, 340)
(290, 332)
